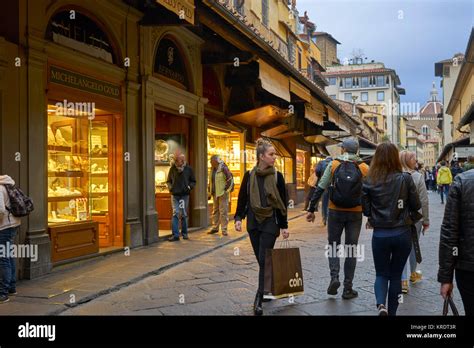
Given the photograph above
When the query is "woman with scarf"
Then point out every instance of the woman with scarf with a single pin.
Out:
(263, 200)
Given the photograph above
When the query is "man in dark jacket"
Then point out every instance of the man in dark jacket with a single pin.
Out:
(180, 182)
(455, 169)
(456, 247)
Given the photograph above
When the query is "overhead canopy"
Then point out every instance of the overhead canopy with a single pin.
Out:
(274, 81)
(260, 116)
(314, 112)
(320, 139)
(300, 90)
(280, 148)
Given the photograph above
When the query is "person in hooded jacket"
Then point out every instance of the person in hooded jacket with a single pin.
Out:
(8, 229)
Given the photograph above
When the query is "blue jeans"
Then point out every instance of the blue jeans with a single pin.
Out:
(325, 206)
(444, 191)
(180, 211)
(390, 255)
(7, 264)
(412, 257)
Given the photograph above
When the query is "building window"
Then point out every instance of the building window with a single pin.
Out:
(348, 82)
(299, 59)
(332, 81)
(348, 97)
(364, 96)
(291, 50)
(239, 5)
(425, 130)
(446, 71)
(380, 81)
(365, 82)
(332, 96)
(381, 96)
(265, 10)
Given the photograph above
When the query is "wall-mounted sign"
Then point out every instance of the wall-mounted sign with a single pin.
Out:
(183, 8)
(170, 64)
(81, 34)
(84, 83)
(464, 151)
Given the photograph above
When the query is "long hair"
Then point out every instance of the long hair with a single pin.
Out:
(386, 161)
(406, 156)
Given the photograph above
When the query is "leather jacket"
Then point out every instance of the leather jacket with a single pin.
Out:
(456, 247)
(393, 203)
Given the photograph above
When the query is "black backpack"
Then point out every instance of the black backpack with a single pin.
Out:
(346, 185)
(20, 204)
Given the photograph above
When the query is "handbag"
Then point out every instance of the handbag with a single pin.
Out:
(283, 272)
(448, 302)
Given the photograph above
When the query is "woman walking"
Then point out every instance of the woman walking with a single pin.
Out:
(389, 198)
(263, 200)
(408, 161)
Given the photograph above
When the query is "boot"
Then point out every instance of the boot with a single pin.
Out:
(257, 306)
(333, 286)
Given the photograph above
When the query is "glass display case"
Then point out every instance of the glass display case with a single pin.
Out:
(68, 168)
(99, 168)
(300, 169)
(228, 146)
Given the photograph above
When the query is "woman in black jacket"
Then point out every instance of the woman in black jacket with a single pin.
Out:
(390, 201)
(263, 200)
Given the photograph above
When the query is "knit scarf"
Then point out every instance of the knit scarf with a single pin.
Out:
(272, 194)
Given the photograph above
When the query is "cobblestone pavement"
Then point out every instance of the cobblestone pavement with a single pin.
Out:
(224, 281)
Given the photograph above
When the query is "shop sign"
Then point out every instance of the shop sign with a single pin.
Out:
(84, 83)
(463, 152)
(169, 62)
(183, 8)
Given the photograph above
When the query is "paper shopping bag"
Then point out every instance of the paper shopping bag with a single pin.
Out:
(283, 273)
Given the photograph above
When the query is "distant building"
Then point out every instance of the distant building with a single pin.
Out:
(327, 44)
(370, 83)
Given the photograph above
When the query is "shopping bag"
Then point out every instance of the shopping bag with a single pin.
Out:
(448, 302)
(283, 273)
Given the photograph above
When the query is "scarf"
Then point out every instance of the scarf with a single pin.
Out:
(272, 194)
(180, 168)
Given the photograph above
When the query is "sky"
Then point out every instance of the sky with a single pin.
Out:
(409, 36)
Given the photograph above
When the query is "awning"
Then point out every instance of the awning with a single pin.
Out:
(260, 116)
(333, 115)
(300, 90)
(320, 139)
(315, 112)
(280, 148)
(467, 118)
(274, 81)
(183, 8)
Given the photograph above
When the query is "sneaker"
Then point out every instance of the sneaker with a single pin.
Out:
(415, 277)
(224, 233)
(214, 230)
(405, 286)
(4, 299)
(382, 310)
(333, 286)
(12, 292)
(185, 237)
(173, 239)
(348, 294)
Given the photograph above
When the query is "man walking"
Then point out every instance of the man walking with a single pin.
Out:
(180, 182)
(344, 177)
(221, 184)
(444, 179)
(456, 247)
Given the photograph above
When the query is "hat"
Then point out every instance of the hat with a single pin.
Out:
(351, 145)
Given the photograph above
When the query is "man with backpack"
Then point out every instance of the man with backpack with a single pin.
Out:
(8, 227)
(343, 176)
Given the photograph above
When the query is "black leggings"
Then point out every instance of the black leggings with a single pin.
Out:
(261, 241)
